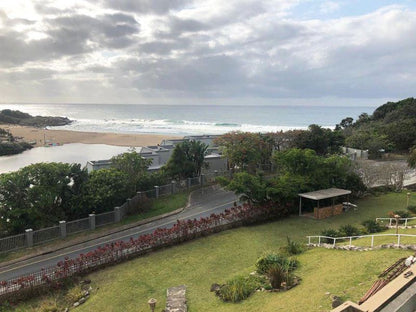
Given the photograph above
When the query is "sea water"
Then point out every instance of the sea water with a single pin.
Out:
(176, 120)
(191, 119)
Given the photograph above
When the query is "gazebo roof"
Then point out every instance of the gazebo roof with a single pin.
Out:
(327, 193)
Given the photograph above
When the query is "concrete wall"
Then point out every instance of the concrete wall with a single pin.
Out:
(355, 153)
(215, 163)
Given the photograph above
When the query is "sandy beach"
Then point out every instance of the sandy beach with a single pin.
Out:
(31, 134)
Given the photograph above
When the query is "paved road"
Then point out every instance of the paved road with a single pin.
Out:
(203, 203)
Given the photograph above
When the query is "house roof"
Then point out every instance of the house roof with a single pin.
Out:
(326, 193)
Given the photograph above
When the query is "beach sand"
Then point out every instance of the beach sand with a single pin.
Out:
(31, 134)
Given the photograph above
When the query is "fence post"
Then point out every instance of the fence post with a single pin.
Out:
(128, 201)
(405, 223)
(319, 241)
(91, 220)
(309, 240)
(29, 237)
(157, 191)
(62, 228)
(173, 189)
(372, 241)
(139, 196)
(188, 183)
(390, 222)
(117, 214)
(350, 241)
(333, 245)
(398, 239)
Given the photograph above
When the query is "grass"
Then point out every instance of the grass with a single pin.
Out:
(158, 207)
(217, 258)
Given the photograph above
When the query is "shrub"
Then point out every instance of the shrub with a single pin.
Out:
(349, 230)
(264, 262)
(237, 289)
(292, 247)
(73, 295)
(279, 273)
(372, 226)
(412, 209)
(402, 213)
(329, 233)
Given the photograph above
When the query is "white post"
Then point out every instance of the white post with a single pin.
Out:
(319, 241)
(350, 241)
(309, 240)
(333, 245)
(372, 241)
(398, 239)
(62, 228)
(390, 221)
(405, 223)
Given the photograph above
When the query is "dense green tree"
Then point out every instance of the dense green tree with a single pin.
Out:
(187, 160)
(323, 141)
(133, 165)
(104, 190)
(250, 188)
(39, 195)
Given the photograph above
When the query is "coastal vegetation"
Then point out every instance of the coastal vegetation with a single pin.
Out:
(391, 128)
(16, 117)
(9, 145)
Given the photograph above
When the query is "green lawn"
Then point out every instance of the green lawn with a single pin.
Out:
(198, 264)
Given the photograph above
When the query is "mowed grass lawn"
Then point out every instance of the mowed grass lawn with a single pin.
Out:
(217, 258)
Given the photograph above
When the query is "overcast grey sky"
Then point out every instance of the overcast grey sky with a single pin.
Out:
(211, 51)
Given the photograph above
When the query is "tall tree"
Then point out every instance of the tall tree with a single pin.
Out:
(187, 160)
(133, 165)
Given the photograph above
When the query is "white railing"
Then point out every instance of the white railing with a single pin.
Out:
(393, 220)
(350, 238)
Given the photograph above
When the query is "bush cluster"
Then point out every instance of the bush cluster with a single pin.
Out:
(237, 289)
(369, 226)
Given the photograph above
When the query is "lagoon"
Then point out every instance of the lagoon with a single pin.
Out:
(68, 153)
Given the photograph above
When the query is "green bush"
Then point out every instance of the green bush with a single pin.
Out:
(264, 262)
(402, 213)
(372, 226)
(329, 233)
(279, 273)
(237, 289)
(292, 247)
(349, 230)
(412, 208)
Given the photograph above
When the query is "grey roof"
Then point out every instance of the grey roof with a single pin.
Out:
(327, 193)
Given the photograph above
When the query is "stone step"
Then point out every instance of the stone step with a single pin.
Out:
(176, 299)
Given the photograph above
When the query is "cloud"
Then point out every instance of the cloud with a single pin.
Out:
(211, 49)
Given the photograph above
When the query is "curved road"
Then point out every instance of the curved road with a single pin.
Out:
(203, 203)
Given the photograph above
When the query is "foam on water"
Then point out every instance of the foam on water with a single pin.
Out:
(166, 126)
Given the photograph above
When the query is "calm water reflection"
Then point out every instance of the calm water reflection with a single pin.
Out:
(68, 153)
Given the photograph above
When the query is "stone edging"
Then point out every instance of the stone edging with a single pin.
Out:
(357, 248)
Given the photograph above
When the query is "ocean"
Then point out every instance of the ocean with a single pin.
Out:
(191, 119)
(178, 120)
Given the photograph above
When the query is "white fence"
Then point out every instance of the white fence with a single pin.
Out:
(319, 239)
(392, 221)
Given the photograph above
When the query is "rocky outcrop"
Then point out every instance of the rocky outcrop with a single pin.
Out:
(8, 116)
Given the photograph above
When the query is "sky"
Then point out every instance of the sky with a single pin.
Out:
(352, 52)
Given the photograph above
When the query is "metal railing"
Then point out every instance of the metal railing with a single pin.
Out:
(46, 235)
(392, 221)
(327, 239)
(104, 218)
(76, 226)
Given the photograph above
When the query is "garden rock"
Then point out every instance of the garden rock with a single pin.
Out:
(215, 287)
(176, 299)
(82, 300)
(336, 301)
